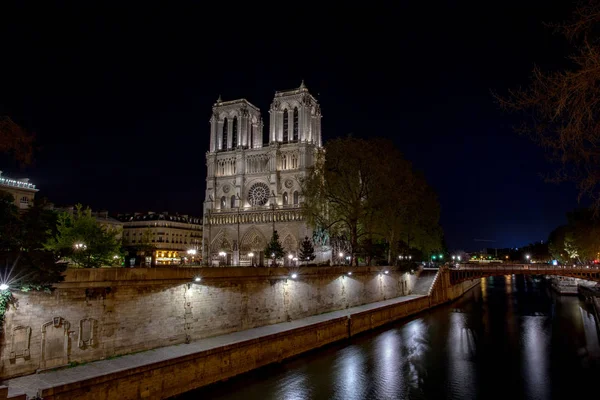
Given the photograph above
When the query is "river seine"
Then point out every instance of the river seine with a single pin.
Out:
(509, 338)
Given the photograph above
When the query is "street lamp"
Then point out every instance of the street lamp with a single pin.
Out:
(223, 254)
(527, 256)
(192, 254)
(3, 286)
(251, 255)
(341, 257)
(80, 246)
(290, 256)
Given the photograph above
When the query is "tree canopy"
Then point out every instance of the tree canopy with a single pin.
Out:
(24, 263)
(84, 242)
(562, 108)
(579, 240)
(274, 248)
(365, 192)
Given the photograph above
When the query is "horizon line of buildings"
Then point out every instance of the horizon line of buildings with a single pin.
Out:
(175, 238)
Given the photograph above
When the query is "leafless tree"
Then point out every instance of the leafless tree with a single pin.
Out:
(16, 141)
(563, 107)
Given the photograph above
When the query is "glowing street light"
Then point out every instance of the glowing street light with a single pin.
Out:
(80, 246)
(197, 279)
(3, 286)
(294, 276)
(251, 255)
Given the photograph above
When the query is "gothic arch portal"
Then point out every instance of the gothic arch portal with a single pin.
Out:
(253, 241)
(289, 243)
(221, 242)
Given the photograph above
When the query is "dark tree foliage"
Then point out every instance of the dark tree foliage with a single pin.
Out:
(366, 195)
(274, 248)
(562, 107)
(307, 250)
(24, 263)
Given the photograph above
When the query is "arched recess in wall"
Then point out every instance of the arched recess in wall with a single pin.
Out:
(253, 241)
(234, 133)
(289, 243)
(221, 242)
(224, 139)
(295, 134)
(286, 132)
(285, 198)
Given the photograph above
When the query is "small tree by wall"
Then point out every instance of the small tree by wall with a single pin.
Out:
(307, 250)
(274, 249)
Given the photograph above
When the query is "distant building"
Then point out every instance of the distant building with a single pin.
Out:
(22, 191)
(102, 218)
(173, 239)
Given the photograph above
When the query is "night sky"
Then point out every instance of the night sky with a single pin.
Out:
(120, 98)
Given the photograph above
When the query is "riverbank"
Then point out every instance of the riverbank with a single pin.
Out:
(171, 370)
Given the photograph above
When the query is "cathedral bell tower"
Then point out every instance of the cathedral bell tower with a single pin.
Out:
(295, 117)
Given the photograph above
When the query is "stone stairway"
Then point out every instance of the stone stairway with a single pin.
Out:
(424, 282)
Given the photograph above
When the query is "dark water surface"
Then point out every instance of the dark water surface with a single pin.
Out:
(510, 338)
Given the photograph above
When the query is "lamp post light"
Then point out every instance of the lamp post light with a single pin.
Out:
(251, 255)
(341, 255)
(222, 254)
(192, 254)
(527, 256)
(290, 256)
(80, 246)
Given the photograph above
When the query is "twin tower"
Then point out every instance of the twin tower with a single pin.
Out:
(253, 185)
(295, 116)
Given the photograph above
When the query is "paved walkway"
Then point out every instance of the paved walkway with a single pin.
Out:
(30, 384)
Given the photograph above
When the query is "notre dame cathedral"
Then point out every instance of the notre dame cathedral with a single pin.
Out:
(253, 188)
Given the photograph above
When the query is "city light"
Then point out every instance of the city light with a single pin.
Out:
(3, 286)
(386, 272)
(294, 276)
(197, 279)
(349, 273)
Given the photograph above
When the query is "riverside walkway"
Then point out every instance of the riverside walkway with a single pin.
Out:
(33, 385)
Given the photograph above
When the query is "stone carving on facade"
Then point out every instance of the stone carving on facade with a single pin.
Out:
(289, 183)
(55, 342)
(20, 341)
(225, 188)
(87, 333)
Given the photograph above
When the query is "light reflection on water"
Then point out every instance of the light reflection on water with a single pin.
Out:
(510, 339)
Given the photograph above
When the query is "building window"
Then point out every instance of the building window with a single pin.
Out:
(234, 133)
(285, 125)
(251, 145)
(223, 202)
(296, 197)
(233, 201)
(224, 143)
(24, 200)
(285, 198)
(295, 124)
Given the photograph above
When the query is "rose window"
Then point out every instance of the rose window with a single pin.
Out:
(258, 195)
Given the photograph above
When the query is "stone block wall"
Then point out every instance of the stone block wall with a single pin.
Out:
(102, 313)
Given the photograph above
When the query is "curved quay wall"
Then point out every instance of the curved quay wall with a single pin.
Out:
(146, 309)
(100, 313)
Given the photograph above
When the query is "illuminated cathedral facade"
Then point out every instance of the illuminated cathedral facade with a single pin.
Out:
(252, 187)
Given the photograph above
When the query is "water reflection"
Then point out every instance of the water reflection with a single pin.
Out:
(349, 373)
(389, 358)
(512, 339)
(535, 341)
(462, 349)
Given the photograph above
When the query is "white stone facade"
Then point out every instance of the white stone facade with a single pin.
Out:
(253, 188)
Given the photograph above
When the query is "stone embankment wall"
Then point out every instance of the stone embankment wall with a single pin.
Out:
(102, 313)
